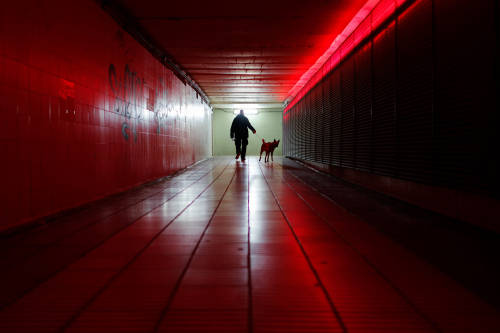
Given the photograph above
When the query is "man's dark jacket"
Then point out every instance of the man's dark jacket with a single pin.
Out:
(239, 127)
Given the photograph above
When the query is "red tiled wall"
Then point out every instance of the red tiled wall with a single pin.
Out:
(85, 110)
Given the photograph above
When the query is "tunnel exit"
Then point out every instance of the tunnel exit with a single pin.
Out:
(268, 124)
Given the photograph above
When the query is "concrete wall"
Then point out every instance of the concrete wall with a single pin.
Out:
(86, 111)
(267, 125)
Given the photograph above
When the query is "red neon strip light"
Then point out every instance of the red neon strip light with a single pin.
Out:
(368, 19)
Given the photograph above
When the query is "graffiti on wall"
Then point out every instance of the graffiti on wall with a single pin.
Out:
(157, 103)
(67, 103)
(129, 90)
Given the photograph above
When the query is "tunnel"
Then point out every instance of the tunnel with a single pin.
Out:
(367, 200)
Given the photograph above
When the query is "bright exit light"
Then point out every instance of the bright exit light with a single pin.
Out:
(249, 112)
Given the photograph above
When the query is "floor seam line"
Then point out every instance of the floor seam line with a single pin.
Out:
(184, 271)
(304, 253)
(119, 210)
(117, 274)
(99, 244)
(249, 258)
(114, 213)
(366, 260)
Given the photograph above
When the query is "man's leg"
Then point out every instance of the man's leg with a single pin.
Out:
(237, 142)
(244, 143)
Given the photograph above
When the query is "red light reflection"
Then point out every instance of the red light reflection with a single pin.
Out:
(368, 19)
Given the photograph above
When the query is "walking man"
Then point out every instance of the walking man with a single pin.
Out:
(239, 131)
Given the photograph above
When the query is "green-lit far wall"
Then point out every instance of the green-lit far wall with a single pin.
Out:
(267, 125)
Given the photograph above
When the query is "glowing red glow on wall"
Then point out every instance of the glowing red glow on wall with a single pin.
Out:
(368, 19)
(85, 114)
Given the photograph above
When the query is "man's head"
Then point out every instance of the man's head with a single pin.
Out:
(242, 113)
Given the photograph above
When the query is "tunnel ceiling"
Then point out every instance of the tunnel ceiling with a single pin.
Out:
(243, 54)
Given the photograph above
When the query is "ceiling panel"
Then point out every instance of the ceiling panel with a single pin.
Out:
(243, 53)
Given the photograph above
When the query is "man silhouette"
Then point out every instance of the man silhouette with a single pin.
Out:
(239, 131)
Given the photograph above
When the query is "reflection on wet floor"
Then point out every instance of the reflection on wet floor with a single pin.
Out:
(226, 247)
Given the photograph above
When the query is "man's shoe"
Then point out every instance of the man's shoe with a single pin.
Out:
(243, 160)
(238, 156)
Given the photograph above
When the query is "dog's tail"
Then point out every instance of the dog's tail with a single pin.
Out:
(263, 141)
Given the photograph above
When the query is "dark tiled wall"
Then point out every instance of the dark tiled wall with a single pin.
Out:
(417, 101)
(85, 110)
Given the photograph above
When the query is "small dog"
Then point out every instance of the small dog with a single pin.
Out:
(268, 147)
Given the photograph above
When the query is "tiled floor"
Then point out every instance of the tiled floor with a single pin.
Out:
(225, 247)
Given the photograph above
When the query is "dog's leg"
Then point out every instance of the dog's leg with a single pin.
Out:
(272, 154)
(260, 155)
